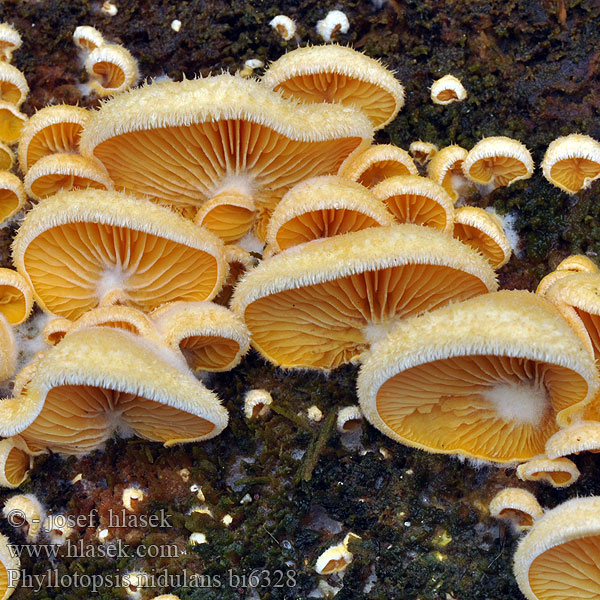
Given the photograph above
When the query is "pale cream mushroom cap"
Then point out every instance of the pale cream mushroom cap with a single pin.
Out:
(16, 296)
(579, 437)
(56, 329)
(349, 419)
(11, 122)
(10, 40)
(112, 69)
(558, 472)
(559, 558)
(7, 157)
(320, 304)
(573, 263)
(13, 85)
(29, 509)
(8, 349)
(418, 200)
(447, 89)
(322, 207)
(517, 505)
(9, 562)
(333, 73)
(15, 462)
(422, 152)
(376, 163)
(257, 403)
(445, 166)
(99, 381)
(87, 38)
(484, 232)
(572, 162)
(81, 248)
(491, 378)
(498, 160)
(12, 195)
(51, 130)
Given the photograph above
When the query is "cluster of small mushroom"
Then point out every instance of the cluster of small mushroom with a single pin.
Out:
(366, 260)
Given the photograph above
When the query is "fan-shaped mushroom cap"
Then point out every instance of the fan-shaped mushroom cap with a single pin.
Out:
(210, 336)
(484, 232)
(323, 207)
(319, 305)
(491, 378)
(229, 215)
(16, 297)
(87, 38)
(447, 89)
(10, 40)
(422, 152)
(13, 85)
(101, 380)
(26, 511)
(558, 559)
(15, 462)
(64, 172)
(7, 157)
(112, 69)
(257, 403)
(55, 330)
(499, 160)
(335, 73)
(418, 200)
(349, 419)
(376, 163)
(572, 162)
(12, 195)
(51, 130)
(83, 248)
(8, 349)
(445, 168)
(520, 506)
(182, 143)
(558, 472)
(574, 263)
(11, 122)
(579, 437)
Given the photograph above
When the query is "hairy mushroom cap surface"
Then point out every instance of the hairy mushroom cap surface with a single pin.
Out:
(101, 380)
(583, 436)
(284, 26)
(376, 163)
(84, 248)
(16, 296)
(422, 152)
(15, 462)
(520, 506)
(572, 264)
(26, 512)
(10, 564)
(322, 207)
(445, 168)
(418, 200)
(51, 130)
(13, 85)
(319, 305)
(183, 143)
(257, 403)
(64, 172)
(112, 69)
(11, 122)
(572, 162)
(447, 89)
(559, 559)
(210, 337)
(483, 231)
(349, 419)
(7, 157)
(333, 73)
(12, 195)
(87, 38)
(8, 349)
(558, 472)
(10, 40)
(490, 378)
(499, 160)
(56, 329)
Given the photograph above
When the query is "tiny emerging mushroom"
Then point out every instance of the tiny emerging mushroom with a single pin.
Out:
(284, 26)
(257, 403)
(558, 472)
(197, 538)
(349, 419)
(132, 497)
(87, 38)
(25, 512)
(334, 22)
(10, 40)
(448, 89)
(499, 161)
(572, 162)
(558, 558)
(57, 529)
(112, 69)
(377, 163)
(517, 505)
(134, 582)
(336, 558)
(422, 152)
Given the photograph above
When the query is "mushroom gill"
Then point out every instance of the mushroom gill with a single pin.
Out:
(16, 296)
(11, 122)
(100, 381)
(558, 472)
(559, 559)
(15, 462)
(322, 207)
(445, 168)
(112, 69)
(13, 85)
(81, 249)
(490, 378)
(320, 305)
(335, 73)
(12, 196)
(10, 40)
(516, 505)
(183, 143)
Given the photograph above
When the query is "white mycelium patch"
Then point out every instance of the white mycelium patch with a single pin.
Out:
(523, 402)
